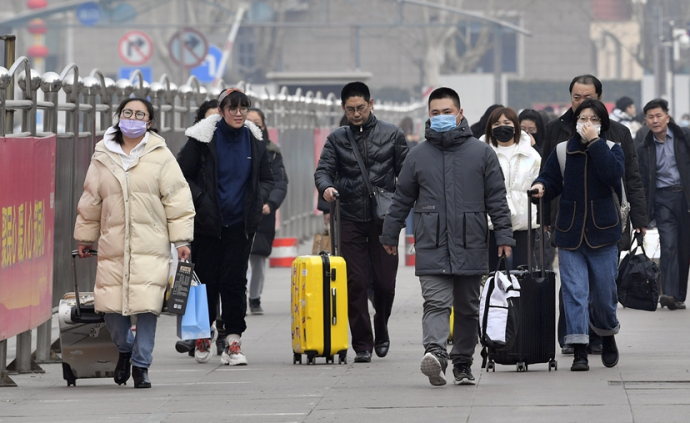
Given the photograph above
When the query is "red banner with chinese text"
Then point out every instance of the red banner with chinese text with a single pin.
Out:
(27, 202)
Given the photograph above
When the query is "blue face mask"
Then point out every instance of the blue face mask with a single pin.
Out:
(443, 123)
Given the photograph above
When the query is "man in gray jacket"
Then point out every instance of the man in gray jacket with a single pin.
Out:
(452, 180)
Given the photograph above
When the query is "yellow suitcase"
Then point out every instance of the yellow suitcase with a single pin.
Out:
(319, 302)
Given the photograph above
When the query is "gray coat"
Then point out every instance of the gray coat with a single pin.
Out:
(452, 180)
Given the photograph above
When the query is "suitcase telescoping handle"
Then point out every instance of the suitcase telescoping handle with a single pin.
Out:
(335, 225)
(531, 192)
(75, 254)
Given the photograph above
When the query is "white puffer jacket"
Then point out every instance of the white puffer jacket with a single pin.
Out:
(134, 215)
(519, 171)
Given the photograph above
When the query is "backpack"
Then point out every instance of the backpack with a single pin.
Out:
(498, 310)
(623, 205)
(637, 280)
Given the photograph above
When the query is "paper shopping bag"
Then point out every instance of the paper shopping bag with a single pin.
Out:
(322, 242)
(194, 323)
(177, 290)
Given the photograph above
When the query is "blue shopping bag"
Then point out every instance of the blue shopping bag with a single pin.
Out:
(194, 324)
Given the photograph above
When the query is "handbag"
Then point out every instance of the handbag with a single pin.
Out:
(194, 323)
(381, 199)
(322, 242)
(637, 279)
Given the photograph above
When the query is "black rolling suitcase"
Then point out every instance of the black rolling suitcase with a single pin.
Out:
(88, 350)
(536, 337)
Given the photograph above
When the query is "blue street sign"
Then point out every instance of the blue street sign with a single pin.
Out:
(89, 14)
(126, 71)
(206, 71)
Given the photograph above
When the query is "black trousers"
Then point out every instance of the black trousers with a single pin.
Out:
(673, 223)
(221, 264)
(367, 264)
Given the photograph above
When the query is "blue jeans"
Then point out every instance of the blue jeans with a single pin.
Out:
(588, 281)
(141, 344)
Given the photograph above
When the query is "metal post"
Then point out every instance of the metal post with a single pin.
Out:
(44, 353)
(10, 41)
(658, 74)
(357, 48)
(498, 63)
(23, 363)
(5, 380)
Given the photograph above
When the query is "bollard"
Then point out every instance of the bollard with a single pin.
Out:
(284, 252)
(5, 380)
(23, 363)
(409, 250)
(44, 352)
(10, 41)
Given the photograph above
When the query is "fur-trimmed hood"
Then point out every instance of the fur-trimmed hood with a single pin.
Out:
(203, 130)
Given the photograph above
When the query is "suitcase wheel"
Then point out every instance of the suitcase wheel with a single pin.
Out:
(68, 375)
(342, 358)
(297, 358)
(330, 359)
(553, 364)
(311, 359)
(521, 367)
(491, 366)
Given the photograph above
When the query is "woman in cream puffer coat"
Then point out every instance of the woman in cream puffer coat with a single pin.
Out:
(135, 203)
(520, 164)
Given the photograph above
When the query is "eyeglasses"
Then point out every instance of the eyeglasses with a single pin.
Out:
(138, 115)
(234, 110)
(592, 119)
(360, 109)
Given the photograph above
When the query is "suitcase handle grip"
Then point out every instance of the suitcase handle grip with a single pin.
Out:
(335, 311)
(75, 254)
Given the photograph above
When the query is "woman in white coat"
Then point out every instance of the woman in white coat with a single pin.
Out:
(520, 164)
(135, 203)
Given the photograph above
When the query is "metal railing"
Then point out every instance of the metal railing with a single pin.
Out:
(78, 110)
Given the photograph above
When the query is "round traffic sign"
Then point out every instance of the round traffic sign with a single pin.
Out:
(188, 48)
(89, 14)
(135, 48)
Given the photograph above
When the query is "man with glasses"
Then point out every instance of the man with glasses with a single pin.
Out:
(664, 164)
(583, 87)
(382, 147)
(227, 167)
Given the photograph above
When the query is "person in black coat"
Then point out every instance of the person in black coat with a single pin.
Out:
(383, 148)
(226, 164)
(479, 128)
(665, 167)
(263, 241)
(581, 88)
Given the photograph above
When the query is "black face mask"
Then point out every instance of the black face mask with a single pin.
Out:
(503, 133)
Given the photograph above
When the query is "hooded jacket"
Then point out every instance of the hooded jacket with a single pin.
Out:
(383, 148)
(588, 211)
(452, 180)
(199, 163)
(646, 154)
(134, 215)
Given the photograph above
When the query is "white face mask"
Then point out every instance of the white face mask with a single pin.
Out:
(580, 125)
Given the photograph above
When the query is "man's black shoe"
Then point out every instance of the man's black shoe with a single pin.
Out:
(141, 377)
(580, 363)
(609, 353)
(382, 349)
(363, 357)
(668, 302)
(680, 305)
(594, 348)
(184, 346)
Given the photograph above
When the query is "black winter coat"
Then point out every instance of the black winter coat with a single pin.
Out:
(383, 148)
(646, 154)
(559, 130)
(263, 241)
(198, 161)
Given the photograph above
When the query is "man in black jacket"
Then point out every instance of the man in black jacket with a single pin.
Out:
(665, 168)
(383, 148)
(583, 87)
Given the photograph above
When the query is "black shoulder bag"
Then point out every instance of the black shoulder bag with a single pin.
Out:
(380, 198)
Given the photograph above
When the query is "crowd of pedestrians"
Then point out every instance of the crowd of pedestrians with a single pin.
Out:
(463, 188)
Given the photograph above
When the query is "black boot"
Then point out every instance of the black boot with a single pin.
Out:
(580, 363)
(141, 377)
(122, 370)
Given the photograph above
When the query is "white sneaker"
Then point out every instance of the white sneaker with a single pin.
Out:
(232, 355)
(202, 352)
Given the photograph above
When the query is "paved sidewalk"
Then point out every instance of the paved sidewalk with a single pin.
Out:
(650, 384)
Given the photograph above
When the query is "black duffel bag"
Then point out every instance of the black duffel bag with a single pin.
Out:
(637, 279)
